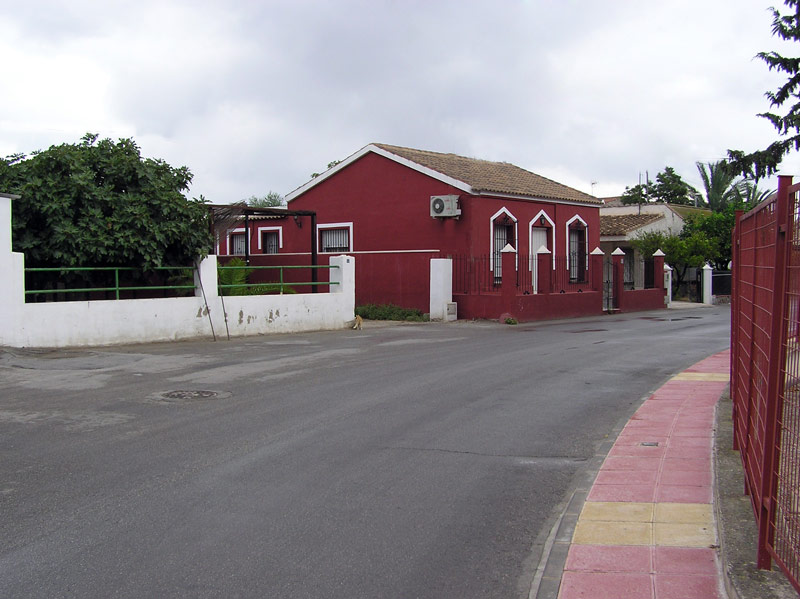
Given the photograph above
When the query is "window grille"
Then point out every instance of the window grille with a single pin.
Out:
(237, 244)
(577, 255)
(334, 240)
(503, 234)
(269, 242)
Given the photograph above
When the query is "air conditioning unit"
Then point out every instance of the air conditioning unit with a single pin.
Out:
(444, 206)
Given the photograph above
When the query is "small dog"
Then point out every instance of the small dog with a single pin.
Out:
(359, 321)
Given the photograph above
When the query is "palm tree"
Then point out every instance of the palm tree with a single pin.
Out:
(751, 194)
(722, 186)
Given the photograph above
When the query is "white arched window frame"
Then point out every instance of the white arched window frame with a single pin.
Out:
(492, 250)
(532, 250)
(586, 237)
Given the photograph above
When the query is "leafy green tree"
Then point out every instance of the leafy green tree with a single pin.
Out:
(721, 184)
(99, 203)
(765, 162)
(271, 200)
(638, 194)
(647, 243)
(681, 252)
(668, 187)
(672, 189)
(692, 249)
(717, 227)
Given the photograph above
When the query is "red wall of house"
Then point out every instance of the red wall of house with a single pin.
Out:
(389, 206)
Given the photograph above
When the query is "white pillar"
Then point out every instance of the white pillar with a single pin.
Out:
(205, 277)
(441, 296)
(668, 283)
(707, 272)
(344, 275)
(5, 223)
(12, 292)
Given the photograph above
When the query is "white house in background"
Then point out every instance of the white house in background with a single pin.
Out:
(620, 224)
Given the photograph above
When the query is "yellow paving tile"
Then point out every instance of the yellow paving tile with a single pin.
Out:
(617, 511)
(613, 533)
(683, 535)
(686, 513)
(717, 377)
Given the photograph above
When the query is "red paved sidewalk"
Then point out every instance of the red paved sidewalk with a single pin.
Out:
(647, 530)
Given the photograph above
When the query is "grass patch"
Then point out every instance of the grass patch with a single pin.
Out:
(390, 312)
(270, 289)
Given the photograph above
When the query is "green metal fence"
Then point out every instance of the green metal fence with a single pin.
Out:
(119, 281)
(116, 286)
(279, 286)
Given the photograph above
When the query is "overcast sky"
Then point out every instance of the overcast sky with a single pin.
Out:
(255, 96)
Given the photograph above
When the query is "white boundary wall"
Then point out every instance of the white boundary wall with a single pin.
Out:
(107, 322)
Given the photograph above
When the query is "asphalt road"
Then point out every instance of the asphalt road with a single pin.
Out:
(401, 461)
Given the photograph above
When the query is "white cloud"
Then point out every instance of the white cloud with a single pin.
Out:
(254, 96)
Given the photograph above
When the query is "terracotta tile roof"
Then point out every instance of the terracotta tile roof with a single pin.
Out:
(623, 224)
(491, 177)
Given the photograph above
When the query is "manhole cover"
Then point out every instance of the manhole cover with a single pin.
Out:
(187, 395)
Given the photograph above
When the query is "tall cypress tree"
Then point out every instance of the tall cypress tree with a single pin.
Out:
(765, 162)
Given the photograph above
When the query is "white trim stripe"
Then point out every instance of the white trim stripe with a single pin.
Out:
(367, 252)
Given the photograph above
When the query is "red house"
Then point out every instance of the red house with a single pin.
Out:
(396, 208)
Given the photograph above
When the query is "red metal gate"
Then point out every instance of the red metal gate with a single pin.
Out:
(765, 371)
